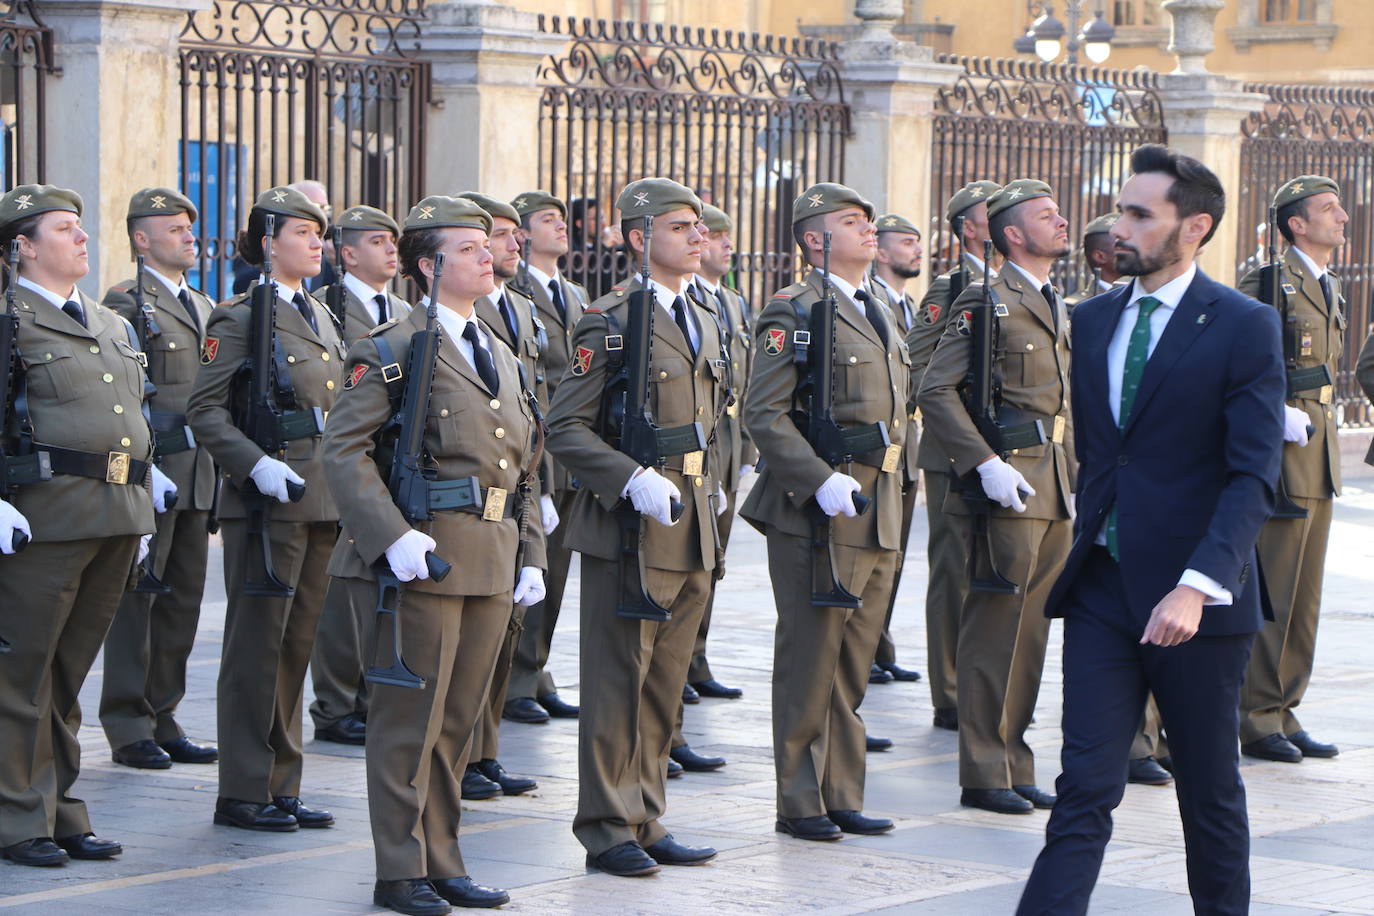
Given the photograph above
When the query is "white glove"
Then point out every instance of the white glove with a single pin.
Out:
(143, 543)
(1004, 484)
(745, 470)
(835, 495)
(162, 488)
(270, 477)
(548, 515)
(650, 493)
(406, 555)
(11, 521)
(530, 589)
(722, 501)
(1295, 423)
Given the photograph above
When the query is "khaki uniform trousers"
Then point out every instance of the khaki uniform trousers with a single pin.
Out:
(267, 643)
(821, 660)
(887, 649)
(700, 668)
(56, 602)
(632, 673)
(528, 677)
(418, 740)
(152, 636)
(1002, 652)
(336, 662)
(1292, 553)
(947, 553)
(486, 736)
(1149, 741)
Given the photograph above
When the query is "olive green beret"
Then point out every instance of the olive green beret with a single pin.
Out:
(161, 202)
(827, 197)
(363, 217)
(892, 222)
(534, 201)
(716, 219)
(1103, 223)
(655, 196)
(491, 205)
(32, 199)
(1017, 192)
(286, 201)
(439, 212)
(975, 192)
(1305, 186)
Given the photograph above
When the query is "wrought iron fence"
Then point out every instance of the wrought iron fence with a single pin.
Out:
(748, 120)
(275, 91)
(1321, 130)
(26, 60)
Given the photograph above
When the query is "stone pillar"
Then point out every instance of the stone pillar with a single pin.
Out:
(484, 109)
(113, 113)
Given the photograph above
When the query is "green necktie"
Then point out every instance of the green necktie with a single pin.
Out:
(1137, 353)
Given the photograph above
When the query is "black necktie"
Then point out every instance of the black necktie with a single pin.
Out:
(872, 314)
(727, 319)
(680, 316)
(486, 369)
(73, 308)
(382, 316)
(556, 294)
(306, 311)
(184, 298)
(508, 317)
(1326, 289)
(1048, 292)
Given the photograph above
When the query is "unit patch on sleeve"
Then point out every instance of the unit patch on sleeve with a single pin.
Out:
(209, 350)
(355, 376)
(775, 341)
(581, 361)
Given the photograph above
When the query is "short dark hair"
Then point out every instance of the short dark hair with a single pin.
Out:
(249, 242)
(1098, 241)
(1196, 188)
(25, 226)
(997, 229)
(414, 245)
(801, 227)
(1296, 208)
(353, 238)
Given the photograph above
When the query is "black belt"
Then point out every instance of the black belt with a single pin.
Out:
(1300, 380)
(467, 495)
(17, 470)
(172, 433)
(111, 467)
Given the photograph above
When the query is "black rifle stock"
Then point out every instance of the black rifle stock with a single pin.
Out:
(334, 298)
(148, 330)
(1272, 292)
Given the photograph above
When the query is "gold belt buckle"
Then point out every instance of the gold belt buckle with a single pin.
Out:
(692, 463)
(117, 467)
(1060, 424)
(891, 456)
(1325, 395)
(495, 507)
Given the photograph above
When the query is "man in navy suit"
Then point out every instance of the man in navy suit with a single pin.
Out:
(1178, 389)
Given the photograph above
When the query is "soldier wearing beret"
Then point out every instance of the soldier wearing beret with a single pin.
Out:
(268, 638)
(152, 635)
(77, 398)
(479, 425)
(632, 670)
(1002, 637)
(1292, 551)
(946, 550)
(532, 696)
(1101, 264)
(822, 655)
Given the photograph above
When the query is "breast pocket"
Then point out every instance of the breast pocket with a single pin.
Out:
(171, 363)
(1022, 362)
(855, 372)
(669, 390)
(444, 425)
(54, 375)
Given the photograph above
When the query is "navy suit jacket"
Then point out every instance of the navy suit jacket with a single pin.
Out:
(1193, 473)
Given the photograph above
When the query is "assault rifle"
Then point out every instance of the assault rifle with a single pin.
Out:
(959, 282)
(334, 298)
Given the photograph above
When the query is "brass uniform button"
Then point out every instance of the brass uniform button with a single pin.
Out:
(697, 481)
(896, 424)
(701, 410)
(324, 356)
(503, 464)
(48, 356)
(853, 359)
(499, 433)
(443, 412)
(291, 359)
(126, 442)
(107, 378)
(495, 404)
(119, 408)
(1030, 346)
(172, 345)
(94, 349)
(791, 495)
(662, 373)
(329, 384)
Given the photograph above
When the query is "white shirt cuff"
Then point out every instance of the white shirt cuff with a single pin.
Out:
(1207, 585)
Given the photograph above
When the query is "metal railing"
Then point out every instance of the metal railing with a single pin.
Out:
(26, 61)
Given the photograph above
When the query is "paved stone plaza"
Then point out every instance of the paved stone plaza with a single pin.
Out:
(1313, 824)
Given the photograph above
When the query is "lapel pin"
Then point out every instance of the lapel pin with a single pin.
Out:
(1202, 319)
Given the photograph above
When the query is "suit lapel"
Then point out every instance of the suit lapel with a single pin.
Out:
(490, 313)
(448, 347)
(168, 304)
(49, 316)
(1307, 284)
(1189, 321)
(847, 309)
(1030, 297)
(289, 318)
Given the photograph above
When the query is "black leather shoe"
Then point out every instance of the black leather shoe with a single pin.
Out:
(877, 675)
(694, 762)
(466, 892)
(145, 755)
(1001, 801)
(306, 817)
(555, 706)
(669, 851)
(348, 730)
(899, 673)
(510, 785)
(947, 718)
(817, 827)
(1273, 747)
(526, 710)
(413, 896)
(476, 786)
(183, 750)
(689, 695)
(231, 812)
(674, 769)
(89, 846)
(858, 822)
(1036, 796)
(1310, 746)
(628, 860)
(716, 690)
(1167, 762)
(877, 744)
(40, 851)
(1146, 771)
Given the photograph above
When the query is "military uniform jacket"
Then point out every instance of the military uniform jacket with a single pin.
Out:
(315, 361)
(932, 315)
(358, 321)
(526, 348)
(469, 433)
(913, 434)
(733, 444)
(173, 361)
(1312, 470)
(1033, 361)
(85, 392)
(557, 352)
(870, 386)
(682, 390)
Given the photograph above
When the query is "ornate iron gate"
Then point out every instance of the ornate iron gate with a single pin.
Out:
(1320, 130)
(750, 120)
(26, 59)
(274, 91)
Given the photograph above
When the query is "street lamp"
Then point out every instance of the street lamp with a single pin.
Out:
(1046, 35)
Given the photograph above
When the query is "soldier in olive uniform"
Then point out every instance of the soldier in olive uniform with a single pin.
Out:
(268, 639)
(336, 663)
(152, 635)
(1100, 261)
(77, 401)
(1292, 551)
(822, 655)
(479, 424)
(532, 696)
(946, 549)
(632, 670)
(1002, 637)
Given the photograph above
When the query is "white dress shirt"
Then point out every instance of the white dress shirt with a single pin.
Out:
(454, 324)
(176, 289)
(366, 295)
(50, 296)
(665, 297)
(1310, 264)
